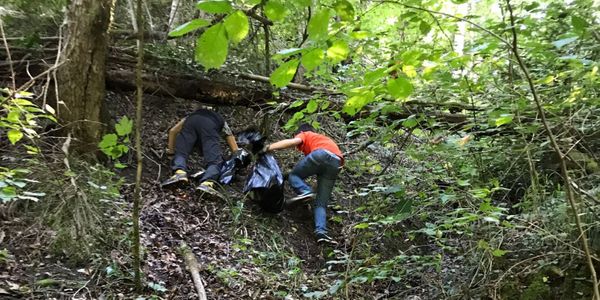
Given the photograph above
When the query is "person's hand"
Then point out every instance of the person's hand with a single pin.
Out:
(264, 149)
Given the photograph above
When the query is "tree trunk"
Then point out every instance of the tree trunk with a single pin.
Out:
(81, 77)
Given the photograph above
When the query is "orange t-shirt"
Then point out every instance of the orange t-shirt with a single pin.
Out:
(312, 141)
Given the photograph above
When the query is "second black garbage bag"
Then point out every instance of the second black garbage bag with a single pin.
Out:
(265, 182)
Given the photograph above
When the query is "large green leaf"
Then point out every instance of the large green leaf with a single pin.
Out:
(284, 73)
(275, 11)
(13, 116)
(237, 26)
(312, 106)
(124, 126)
(14, 136)
(108, 141)
(344, 10)
(338, 51)
(399, 88)
(318, 25)
(304, 2)
(357, 102)
(188, 27)
(215, 6)
(313, 59)
(211, 47)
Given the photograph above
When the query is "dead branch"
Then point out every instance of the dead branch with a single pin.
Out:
(192, 265)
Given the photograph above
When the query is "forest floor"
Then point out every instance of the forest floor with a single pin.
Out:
(243, 252)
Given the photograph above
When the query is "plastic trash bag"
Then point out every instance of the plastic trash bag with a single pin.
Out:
(240, 159)
(265, 184)
(253, 138)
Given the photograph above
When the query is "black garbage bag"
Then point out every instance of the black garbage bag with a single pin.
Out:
(253, 138)
(240, 159)
(265, 184)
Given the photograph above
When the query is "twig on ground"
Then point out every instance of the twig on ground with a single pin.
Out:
(192, 265)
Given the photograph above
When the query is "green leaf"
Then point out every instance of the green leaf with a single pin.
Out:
(338, 51)
(410, 122)
(357, 102)
(304, 3)
(313, 59)
(119, 165)
(108, 141)
(424, 27)
(215, 6)
(312, 106)
(275, 11)
(284, 73)
(399, 88)
(296, 103)
(124, 126)
(503, 119)
(562, 42)
(318, 25)
(459, 1)
(237, 26)
(344, 10)
(13, 116)
(361, 226)
(211, 47)
(14, 136)
(359, 35)
(579, 24)
(499, 252)
(188, 27)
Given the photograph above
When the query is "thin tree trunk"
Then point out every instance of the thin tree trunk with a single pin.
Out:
(137, 197)
(81, 77)
(132, 15)
(173, 15)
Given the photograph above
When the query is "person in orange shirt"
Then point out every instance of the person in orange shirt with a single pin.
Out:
(322, 158)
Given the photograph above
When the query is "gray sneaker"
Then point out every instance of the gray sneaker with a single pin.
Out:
(323, 238)
(305, 197)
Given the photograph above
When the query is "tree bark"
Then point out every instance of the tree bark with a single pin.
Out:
(81, 78)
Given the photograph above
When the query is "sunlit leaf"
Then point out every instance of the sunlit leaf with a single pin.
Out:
(284, 73)
(14, 136)
(503, 119)
(313, 59)
(355, 103)
(359, 35)
(499, 252)
(344, 10)
(312, 106)
(237, 26)
(215, 6)
(318, 25)
(124, 126)
(399, 88)
(108, 141)
(275, 11)
(424, 27)
(188, 27)
(338, 51)
(13, 116)
(211, 47)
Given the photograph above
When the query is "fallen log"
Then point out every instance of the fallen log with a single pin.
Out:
(191, 264)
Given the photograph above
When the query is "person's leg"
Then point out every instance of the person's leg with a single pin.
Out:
(325, 183)
(184, 144)
(305, 167)
(211, 150)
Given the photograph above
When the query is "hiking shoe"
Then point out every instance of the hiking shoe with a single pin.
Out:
(207, 188)
(323, 238)
(179, 177)
(304, 197)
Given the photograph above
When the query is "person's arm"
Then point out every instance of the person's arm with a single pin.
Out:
(230, 139)
(283, 144)
(173, 135)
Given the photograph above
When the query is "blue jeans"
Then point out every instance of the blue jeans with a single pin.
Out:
(326, 166)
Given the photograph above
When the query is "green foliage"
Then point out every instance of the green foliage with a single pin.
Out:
(284, 73)
(215, 6)
(275, 10)
(188, 27)
(116, 145)
(211, 47)
(318, 25)
(237, 27)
